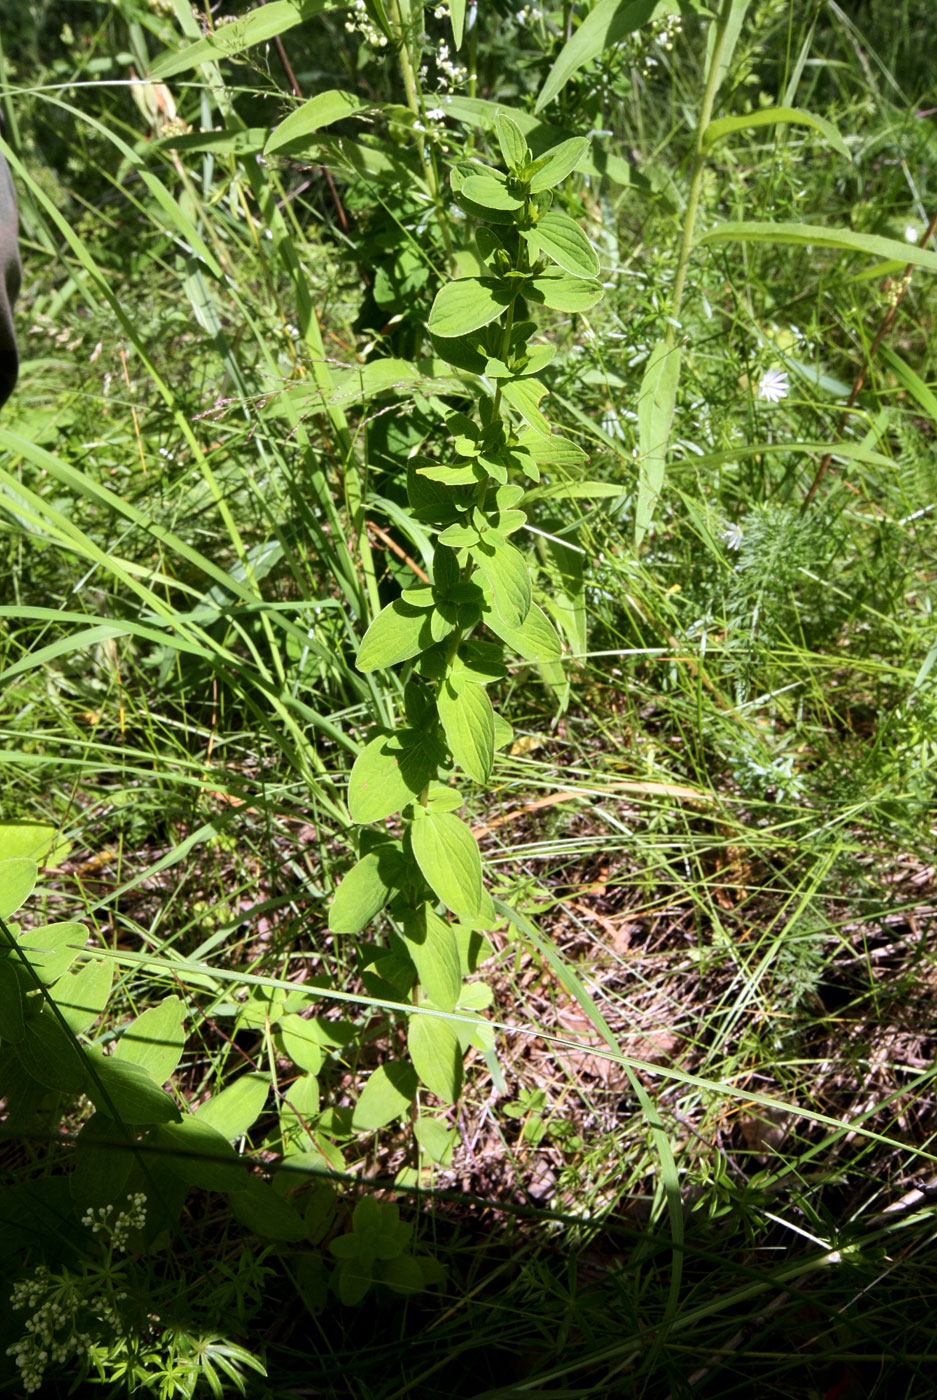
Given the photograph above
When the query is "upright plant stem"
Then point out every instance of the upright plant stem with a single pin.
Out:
(696, 184)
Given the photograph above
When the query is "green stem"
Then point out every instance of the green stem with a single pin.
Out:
(689, 226)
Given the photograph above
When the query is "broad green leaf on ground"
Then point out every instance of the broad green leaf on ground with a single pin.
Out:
(34, 840)
(155, 1040)
(656, 401)
(436, 1139)
(198, 1154)
(398, 633)
(468, 719)
(362, 894)
(554, 165)
(607, 23)
(562, 292)
(561, 238)
(816, 236)
(387, 1095)
(299, 1109)
(331, 106)
(258, 1206)
(81, 995)
(17, 878)
(434, 949)
(301, 1041)
(102, 1161)
(261, 24)
(436, 1055)
(450, 861)
(467, 304)
(53, 1057)
(388, 773)
(535, 639)
(12, 1023)
(770, 116)
(505, 571)
(52, 948)
(126, 1092)
(236, 1107)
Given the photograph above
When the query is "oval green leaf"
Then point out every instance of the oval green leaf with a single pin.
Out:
(561, 238)
(398, 633)
(450, 861)
(469, 721)
(467, 304)
(436, 1055)
(155, 1040)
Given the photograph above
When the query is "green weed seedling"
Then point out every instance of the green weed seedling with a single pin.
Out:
(455, 634)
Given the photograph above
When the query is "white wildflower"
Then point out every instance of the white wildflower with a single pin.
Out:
(732, 535)
(773, 386)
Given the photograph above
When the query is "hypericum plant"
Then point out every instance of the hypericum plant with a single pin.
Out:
(454, 632)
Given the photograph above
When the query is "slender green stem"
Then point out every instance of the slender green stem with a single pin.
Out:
(696, 184)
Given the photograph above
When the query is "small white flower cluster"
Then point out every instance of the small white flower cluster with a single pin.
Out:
(449, 72)
(51, 1336)
(359, 19)
(132, 1218)
(660, 34)
(528, 15)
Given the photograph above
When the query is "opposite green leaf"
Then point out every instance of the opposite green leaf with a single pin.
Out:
(258, 1206)
(562, 292)
(436, 1055)
(387, 1095)
(17, 878)
(388, 773)
(126, 1092)
(399, 632)
(198, 1154)
(301, 1041)
(535, 639)
(488, 193)
(512, 142)
(505, 571)
(434, 949)
(238, 1106)
(51, 1055)
(560, 161)
(35, 840)
(82, 995)
(468, 719)
(12, 1024)
(468, 304)
(155, 1040)
(450, 861)
(361, 895)
(561, 238)
(52, 948)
